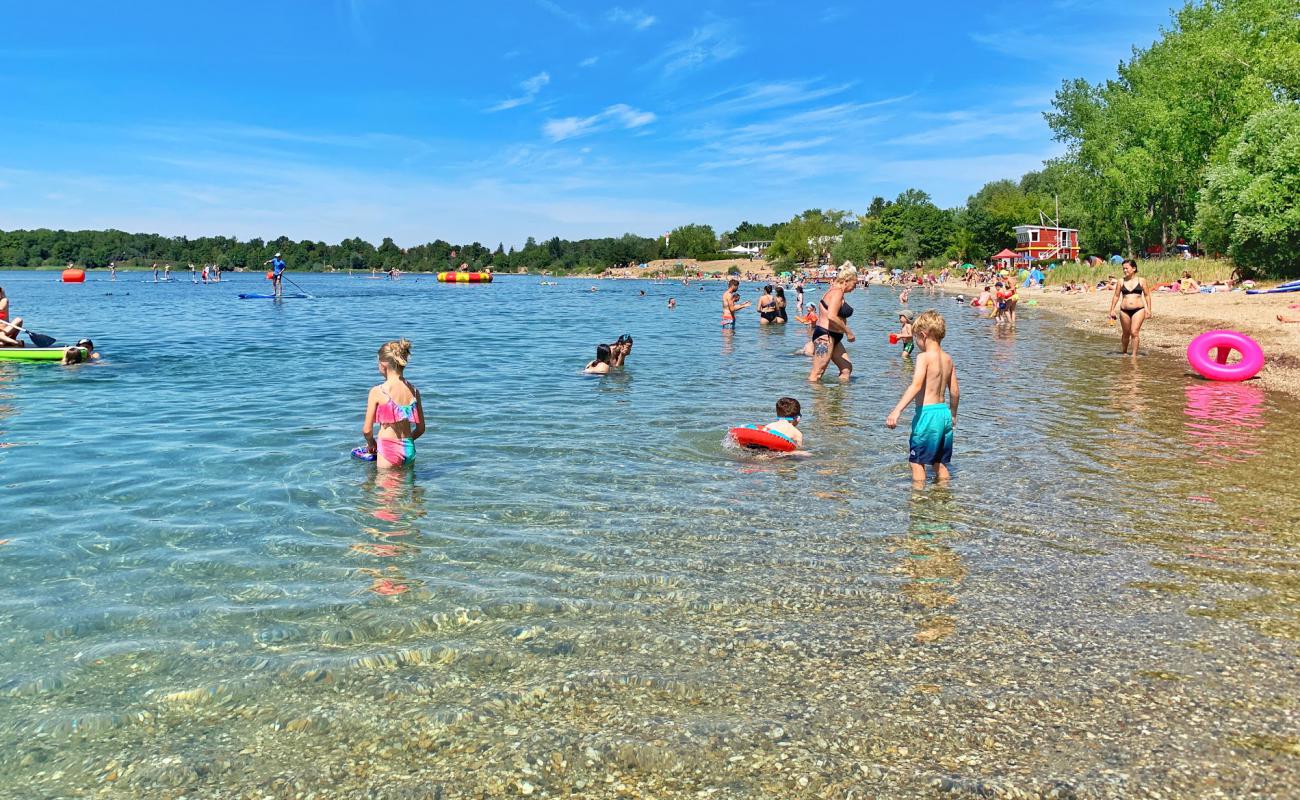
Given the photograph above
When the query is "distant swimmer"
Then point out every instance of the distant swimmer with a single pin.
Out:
(731, 303)
(395, 407)
(672, 302)
(277, 274)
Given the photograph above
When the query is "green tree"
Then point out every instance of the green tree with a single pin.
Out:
(692, 241)
(1250, 201)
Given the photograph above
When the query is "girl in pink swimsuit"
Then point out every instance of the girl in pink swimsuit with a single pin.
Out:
(395, 406)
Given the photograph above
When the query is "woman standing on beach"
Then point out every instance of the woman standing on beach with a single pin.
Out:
(832, 327)
(1134, 300)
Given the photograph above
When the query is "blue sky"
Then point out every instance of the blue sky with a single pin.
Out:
(494, 121)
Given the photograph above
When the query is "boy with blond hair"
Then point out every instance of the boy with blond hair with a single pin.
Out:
(934, 420)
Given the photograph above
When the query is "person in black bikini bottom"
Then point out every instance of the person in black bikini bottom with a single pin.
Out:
(832, 327)
(1134, 310)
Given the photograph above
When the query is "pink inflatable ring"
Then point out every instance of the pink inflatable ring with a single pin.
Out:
(1208, 355)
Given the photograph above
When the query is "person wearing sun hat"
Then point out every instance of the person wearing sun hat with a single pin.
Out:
(905, 318)
(277, 274)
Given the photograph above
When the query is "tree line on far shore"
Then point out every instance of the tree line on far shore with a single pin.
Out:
(1196, 139)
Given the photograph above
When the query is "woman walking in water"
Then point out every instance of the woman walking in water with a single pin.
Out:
(395, 406)
(832, 327)
(1134, 300)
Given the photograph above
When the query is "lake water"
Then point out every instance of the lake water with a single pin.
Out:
(595, 597)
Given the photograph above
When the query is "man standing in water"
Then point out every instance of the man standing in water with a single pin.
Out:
(277, 274)
(729, 304)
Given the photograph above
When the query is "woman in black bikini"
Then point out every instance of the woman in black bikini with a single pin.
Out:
(766, 306)
(832, 327)
(1134, 301)
(781, 317)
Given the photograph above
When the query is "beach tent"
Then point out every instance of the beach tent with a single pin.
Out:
(1005, 259)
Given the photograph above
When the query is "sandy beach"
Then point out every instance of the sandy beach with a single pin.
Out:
(1178, 318)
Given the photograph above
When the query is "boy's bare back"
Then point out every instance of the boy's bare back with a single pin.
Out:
(938, 368)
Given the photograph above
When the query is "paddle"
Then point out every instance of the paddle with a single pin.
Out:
(296, 286)
(38, 339)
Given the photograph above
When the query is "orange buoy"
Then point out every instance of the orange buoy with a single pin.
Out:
(270, 276)
(71, 275)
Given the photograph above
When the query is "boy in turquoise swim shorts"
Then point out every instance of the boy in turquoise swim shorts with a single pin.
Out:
(934, 420)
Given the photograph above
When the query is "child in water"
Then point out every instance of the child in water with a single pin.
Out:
(80, 353)
(905, 333)
(395, 406)
(786, 425)
(934, 420)
(601, 365)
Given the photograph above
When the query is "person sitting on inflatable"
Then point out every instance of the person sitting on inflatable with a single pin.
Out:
(788, 411)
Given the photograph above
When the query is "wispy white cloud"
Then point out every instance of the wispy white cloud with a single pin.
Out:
(961, 127)
(753, 97)
(710, 43)
(635, 17)
(562, 13)
(615, 116)
(531, 87)
(589, 61)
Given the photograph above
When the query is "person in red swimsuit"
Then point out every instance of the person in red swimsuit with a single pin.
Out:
(9, 329)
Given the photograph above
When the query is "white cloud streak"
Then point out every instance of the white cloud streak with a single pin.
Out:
(531, 87)
(619, 115)
(636, 18)
(563, 13)
(710, 43)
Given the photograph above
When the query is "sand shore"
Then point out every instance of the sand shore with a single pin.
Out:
(1178, 318)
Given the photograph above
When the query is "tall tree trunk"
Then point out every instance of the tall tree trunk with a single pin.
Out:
(1128, 238)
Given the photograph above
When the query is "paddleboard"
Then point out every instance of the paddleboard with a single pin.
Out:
(1278, 290)
(32, 353)
(272, 297)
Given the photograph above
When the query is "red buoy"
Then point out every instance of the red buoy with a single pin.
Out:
(72, 275)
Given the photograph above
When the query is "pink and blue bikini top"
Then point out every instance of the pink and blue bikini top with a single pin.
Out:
(390, 412)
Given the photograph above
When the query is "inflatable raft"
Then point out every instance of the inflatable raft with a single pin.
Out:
(32, 353)
(465, 277)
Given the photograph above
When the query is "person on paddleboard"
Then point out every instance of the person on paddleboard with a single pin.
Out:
(9, 328)
(277, 274)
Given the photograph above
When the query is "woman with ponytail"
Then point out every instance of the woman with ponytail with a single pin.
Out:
(395, 406)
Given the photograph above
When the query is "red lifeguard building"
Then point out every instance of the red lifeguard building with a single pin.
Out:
(1047, 242)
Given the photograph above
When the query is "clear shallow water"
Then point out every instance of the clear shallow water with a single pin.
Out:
(600, 594)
